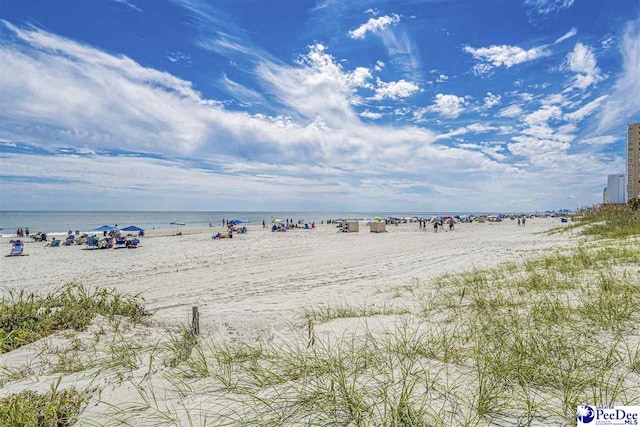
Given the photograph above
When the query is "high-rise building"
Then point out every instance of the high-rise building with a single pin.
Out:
(633, 160)
(604, 195)
(615, 189)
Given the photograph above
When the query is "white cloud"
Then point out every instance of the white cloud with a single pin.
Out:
(572, 32)
(179, 57)
(607, 42)
(395, 90)
(545, 7)
(370, 115)
(240, 92)
(55, 92)
(379, 66)
(317, 87)
(128, 4)
(601, 140)
(512, 111)
(582, 61)
(494, 151)
(542, 115)
(373, 12)
(449, 106)
(586, 109)
(374, 25)
(535, 148)
(442, 78)
(624, 102)
(400, 46)
(482, 69)
(491, 100)
(360, 77)
(503, 55)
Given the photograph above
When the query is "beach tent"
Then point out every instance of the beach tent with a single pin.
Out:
(133, 228)
(104, 228)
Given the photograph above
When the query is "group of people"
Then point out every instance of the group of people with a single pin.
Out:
(437, 224)
(522, 221)
(22, 232)
(284, 226)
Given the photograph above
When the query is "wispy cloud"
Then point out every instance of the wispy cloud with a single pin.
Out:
(572, 32)
(504, 55)
(128, 4)
(546, 7)
(400, 46)
(374, 25)
(624, 102)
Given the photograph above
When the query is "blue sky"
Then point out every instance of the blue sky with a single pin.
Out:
(417, 105)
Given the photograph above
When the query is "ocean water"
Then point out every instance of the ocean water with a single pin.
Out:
(61, 222)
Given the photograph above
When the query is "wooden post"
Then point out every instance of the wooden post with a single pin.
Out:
(195, 321)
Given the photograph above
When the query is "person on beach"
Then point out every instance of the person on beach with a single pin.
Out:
(451, 224)
(435, 226)
(523, 220)
(27, 231)
(264, 225)
(518, 221)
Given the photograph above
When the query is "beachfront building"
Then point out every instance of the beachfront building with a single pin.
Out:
(633, 160)
(616, 189)
(604, 195)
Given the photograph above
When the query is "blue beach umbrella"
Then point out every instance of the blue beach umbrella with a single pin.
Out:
(104, 228)
(238, 221)
(133, 228)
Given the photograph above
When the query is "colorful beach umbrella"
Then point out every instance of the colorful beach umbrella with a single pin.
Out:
(277, 220)
(377, 218)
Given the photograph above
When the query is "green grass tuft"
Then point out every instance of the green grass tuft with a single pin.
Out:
(28, 317)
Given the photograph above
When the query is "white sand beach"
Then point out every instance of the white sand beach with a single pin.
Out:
(258, 281)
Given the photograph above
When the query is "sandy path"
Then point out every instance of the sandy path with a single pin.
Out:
(256, 281)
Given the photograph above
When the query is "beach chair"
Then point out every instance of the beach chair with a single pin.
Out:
(133, 243)
(92, 242)
(70, 241)
(121, 242)
(17, 249)
(54, 244)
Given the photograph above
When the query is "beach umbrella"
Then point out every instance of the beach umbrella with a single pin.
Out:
(238, 221)
(277, 220)
(377, 218)
(104, 228)
(133, 228)
(177, 224)
(340, 219)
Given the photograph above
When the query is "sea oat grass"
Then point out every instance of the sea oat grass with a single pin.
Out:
(26, 317)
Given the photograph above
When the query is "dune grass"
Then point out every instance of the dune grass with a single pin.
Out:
(27, 317)
(515, 345)
(612, 221)
(30, 409)
(520, 344)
